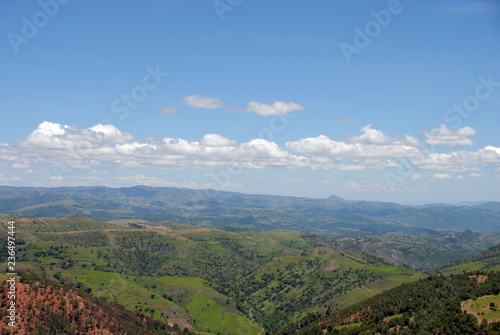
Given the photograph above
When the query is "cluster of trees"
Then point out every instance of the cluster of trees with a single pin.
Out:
(57, 309)
(88, 238)
(427, 306)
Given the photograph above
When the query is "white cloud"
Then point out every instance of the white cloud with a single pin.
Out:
(90, 141)
(216, 140)
(198, 101)
(475, 175)
(441, 176)
(62, 150)
(259, 108)
(443, 136)
(370, 135)
(411, 141)
(373, 143)
(460, 177)
(170, 110)
(277, 108)
(20, 166)
(135, 148)
(347, 120)
(492, 148)
(458, 160)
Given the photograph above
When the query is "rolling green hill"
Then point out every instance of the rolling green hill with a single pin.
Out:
(488, 260)
(434, 305)
(203, 279)
(423, 252)
(44, 307)
(318, 279)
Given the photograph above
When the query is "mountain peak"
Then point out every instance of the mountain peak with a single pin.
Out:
(334, 197)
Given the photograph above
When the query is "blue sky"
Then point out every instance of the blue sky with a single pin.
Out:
(376, 100)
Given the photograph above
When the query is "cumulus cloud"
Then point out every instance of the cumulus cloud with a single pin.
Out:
(276, 109)
(443, 136)
(216, 140)
(475, 175)
(370, 135)
(411, 141)
(347, 120)
(54, 136)
(135, 148)
(63, 149)
(458, 160)
(372, 143)
(198, 101)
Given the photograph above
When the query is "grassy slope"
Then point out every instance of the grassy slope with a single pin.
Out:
(488, 260)
(142, 270)
(139, 293)
(480, 308)
(423, 252)
(47, 308)
(129, 266)
(288, 287)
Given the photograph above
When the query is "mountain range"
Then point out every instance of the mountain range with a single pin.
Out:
(212, 208)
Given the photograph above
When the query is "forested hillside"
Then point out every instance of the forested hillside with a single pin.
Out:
(201, 279)
(434, 305)
(44, 307)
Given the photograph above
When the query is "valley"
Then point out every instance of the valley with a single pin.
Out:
(229, 275)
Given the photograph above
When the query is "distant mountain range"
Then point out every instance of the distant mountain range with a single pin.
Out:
(213, 208)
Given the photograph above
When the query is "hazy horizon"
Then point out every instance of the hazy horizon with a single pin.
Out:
(211, 194)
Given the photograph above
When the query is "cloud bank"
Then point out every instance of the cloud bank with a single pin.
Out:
(105, 147)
